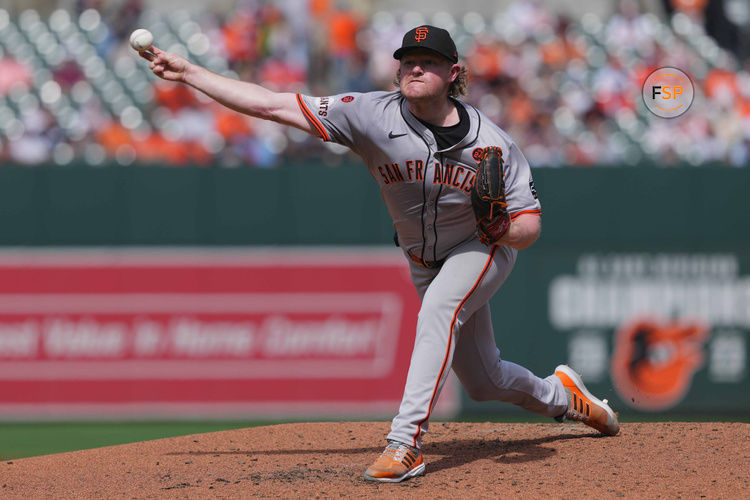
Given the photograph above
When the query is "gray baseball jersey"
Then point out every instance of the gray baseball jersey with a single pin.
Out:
(427, 192)
(425, 189)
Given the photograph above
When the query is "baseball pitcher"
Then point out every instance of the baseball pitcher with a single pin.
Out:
(463, 204)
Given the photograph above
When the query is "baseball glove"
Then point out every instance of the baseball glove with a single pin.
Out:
(488, 197)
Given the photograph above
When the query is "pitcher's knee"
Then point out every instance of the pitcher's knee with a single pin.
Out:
(481, 392)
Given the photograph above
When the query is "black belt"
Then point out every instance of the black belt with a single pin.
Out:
(427, 264)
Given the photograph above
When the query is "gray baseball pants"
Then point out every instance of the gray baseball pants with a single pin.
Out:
(454, 330)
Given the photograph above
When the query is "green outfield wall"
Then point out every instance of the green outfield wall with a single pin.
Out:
(641, 279)
(606, 208)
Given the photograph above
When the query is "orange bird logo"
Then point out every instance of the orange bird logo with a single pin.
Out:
(654, 361)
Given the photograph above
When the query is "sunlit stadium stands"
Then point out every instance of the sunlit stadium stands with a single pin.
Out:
(568, 91)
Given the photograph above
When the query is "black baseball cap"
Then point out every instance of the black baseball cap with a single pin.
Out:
(429, 37)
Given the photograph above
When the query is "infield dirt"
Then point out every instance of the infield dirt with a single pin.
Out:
(464, 460)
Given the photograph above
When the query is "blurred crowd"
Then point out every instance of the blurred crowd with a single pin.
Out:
(568, 91)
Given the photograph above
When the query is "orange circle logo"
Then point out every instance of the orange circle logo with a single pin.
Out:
(668, 92)
(421, 33)
(477, 154)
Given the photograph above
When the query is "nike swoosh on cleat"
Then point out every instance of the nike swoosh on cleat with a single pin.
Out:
(391, 135)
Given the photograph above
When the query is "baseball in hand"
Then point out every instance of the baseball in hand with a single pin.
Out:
(141, 39)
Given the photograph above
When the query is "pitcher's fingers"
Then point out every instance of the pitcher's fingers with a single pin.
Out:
(147, 55)
(159, 60)
(162, 58)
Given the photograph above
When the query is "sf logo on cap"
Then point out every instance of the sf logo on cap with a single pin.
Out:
(668, 92)
(421, 33)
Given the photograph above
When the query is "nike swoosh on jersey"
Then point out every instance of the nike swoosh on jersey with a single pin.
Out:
(391, 135)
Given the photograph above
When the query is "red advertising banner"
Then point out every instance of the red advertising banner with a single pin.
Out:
(206, 333)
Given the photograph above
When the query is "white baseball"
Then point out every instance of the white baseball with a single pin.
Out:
(141, 39)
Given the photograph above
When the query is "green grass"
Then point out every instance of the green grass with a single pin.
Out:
(18, 440)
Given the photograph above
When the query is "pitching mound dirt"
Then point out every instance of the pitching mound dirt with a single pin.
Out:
(689, 460)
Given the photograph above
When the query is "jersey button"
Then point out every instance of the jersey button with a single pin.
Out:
(428, 226)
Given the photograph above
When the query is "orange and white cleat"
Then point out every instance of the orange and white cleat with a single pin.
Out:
(583, 406)
(398, 462)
